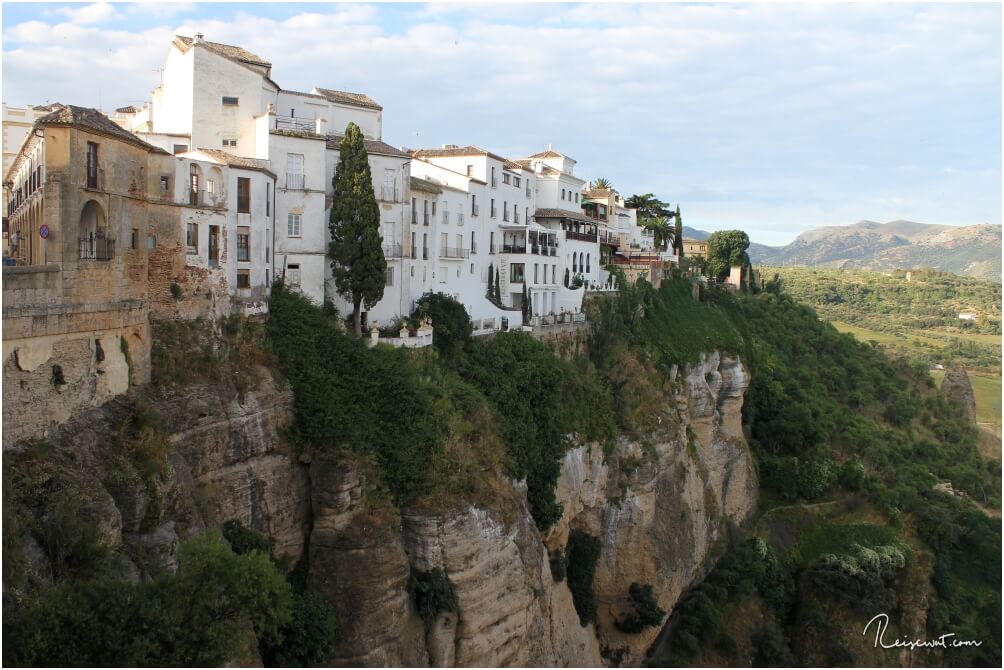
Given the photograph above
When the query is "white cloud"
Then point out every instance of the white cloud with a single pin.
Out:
(801, 114)
(88, 14)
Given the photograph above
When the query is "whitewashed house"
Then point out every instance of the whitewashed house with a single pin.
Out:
(221, 97)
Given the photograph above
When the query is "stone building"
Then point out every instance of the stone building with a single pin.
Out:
(75, 306)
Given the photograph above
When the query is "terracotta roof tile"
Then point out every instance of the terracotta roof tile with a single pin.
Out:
(94, 120)
(372, 146)
(346, 98)
(238, 161)
(551, 213)
(226, 50)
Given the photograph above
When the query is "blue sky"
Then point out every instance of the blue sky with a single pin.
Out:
(771, 118)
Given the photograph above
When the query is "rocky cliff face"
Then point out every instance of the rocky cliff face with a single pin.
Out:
(658, 506)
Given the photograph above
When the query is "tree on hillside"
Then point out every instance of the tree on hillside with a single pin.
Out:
(601, 182)
(678, 233)
(725, 249)
(357, 260)
(648, 206)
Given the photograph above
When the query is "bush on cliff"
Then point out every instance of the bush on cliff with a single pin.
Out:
(199, 616)
(371, 401)
(583, 553)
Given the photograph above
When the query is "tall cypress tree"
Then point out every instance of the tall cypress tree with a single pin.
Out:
(498, 286)
(679, 232)
(491, 282)
(357, 260)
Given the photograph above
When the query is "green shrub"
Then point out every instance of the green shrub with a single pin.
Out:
(200, 615)
(771, 648)
(451, 324)
(243, 540)
(71, 540)
(583, 553)
(559, 565)
(175, 291)
(646, 614)
(433, 593)
(308, 639)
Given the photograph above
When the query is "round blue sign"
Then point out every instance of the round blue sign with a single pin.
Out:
(43, 231)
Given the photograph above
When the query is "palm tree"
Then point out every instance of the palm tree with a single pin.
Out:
(601, 182)
(662, 232)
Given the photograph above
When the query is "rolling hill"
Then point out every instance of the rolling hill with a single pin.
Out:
(973, 251)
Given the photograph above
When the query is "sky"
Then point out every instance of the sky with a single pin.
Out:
(773, 118)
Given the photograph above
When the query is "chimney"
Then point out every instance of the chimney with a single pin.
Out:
(321, 126)
(198, 38)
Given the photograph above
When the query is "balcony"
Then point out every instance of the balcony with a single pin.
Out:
(294, 124)
(294, 181)
(514, 248)
(453, 252)
(392, 251)
(388, 193)
(610, 239)
(97, 247)
(583, 237)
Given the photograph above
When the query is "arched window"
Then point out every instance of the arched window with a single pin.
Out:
(575, 263)
(587, 262)
(94, 241)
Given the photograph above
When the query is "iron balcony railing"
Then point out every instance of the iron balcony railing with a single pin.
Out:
(514, 248)
(389, 193)
(292, 123)
(453, 252)
(392, 250)
(294, 180)
(584, 237)
(97, 247)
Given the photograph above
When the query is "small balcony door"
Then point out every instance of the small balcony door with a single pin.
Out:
(214, 246)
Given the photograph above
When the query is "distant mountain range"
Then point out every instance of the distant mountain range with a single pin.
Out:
(973, 251)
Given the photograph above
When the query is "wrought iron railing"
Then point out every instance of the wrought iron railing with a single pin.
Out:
(97, 247)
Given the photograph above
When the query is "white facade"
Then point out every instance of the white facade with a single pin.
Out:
(226, 219)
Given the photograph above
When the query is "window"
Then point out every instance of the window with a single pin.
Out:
(293, 225)
(294, 170)
(505, 211)
(243, 279)
(92, 165)
(414, 210)
(576, 197)
(229, 143)
(515, 181)
(460, 243)
(244, 245)
(151, 241)
(535, 275)
(444, 243)
(268, 199)
(474, 243)
(389, 277)
(505, 177)
(414, 249)
(491, 242)
(390, 185)
(244, 195)
(293, 274)
(587, 263)
(433, 207)
(210, 186)
(495, 182)
(192, 236)
(134, 239)
(554, 274)
(516, 272)
(562, 194)
(493, 208)
(180, 149)
(193, 184)
(425, 246)
(230, 100)
(165, 185)
(442, 274)
(474, 205)
(470, 170)
(425, 212)
(460, 218)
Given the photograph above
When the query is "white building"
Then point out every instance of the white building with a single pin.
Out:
(219, 97)
(17, 123)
